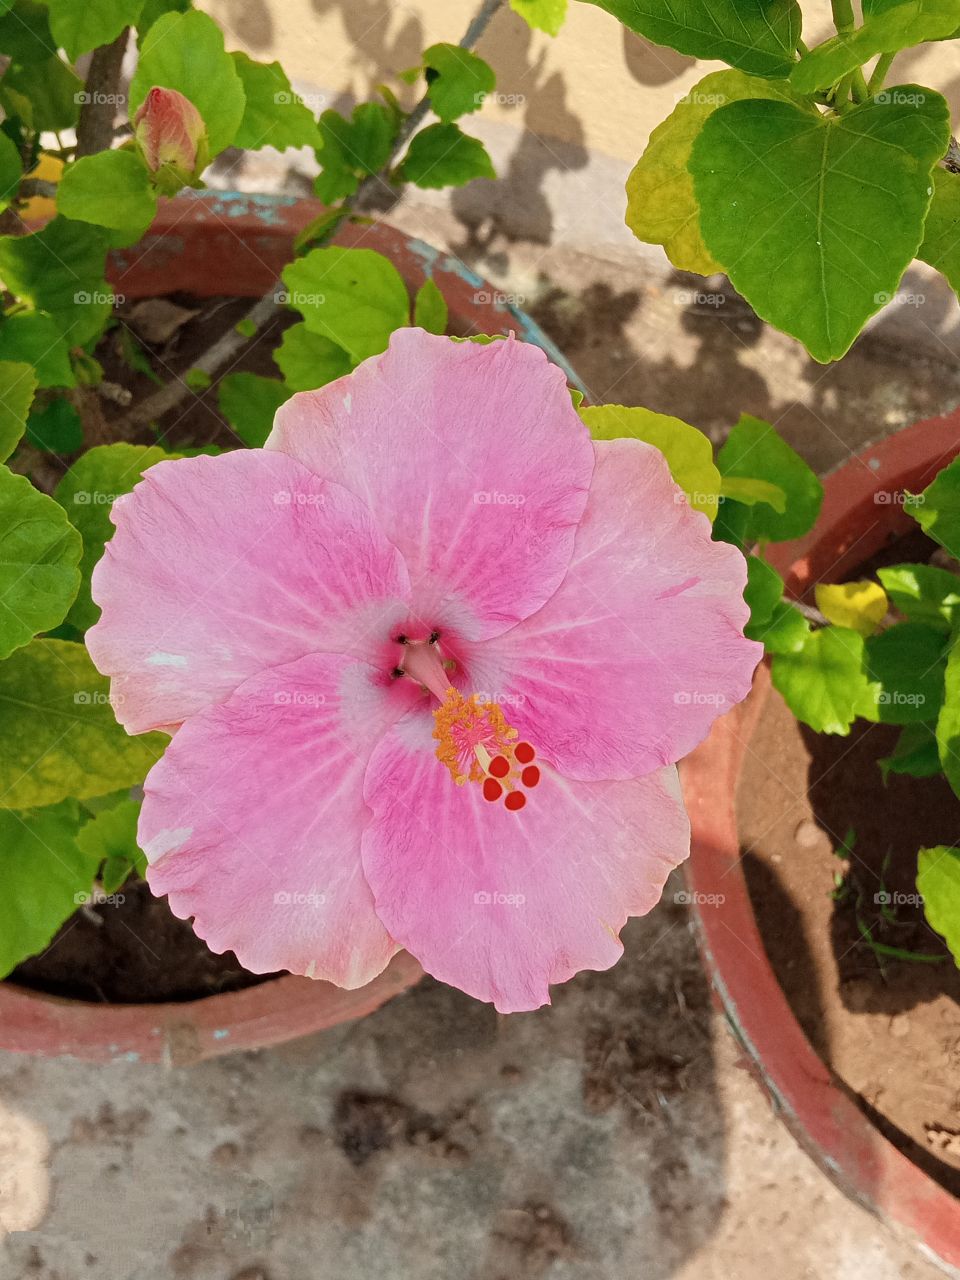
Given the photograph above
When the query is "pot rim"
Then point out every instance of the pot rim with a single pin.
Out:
(816, 1107)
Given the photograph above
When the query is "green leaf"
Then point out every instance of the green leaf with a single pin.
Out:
(458, 80)
(430, 308)
(44, 877)
(542, 15)
(354, 297)
(759, 36)
(39, 555)
(823, 683)
(184, 51)
(309, 360)
(661, 203)
(111, 189)
(896, 27)
(688, 452)
(754, 451)
(905, 665)
(31, 337)
(938, 882)
(815, 216)
(941, 233)
(154, 9)
(56, 428)
(81, 25)
(110, 838)
(923, 593)
(25, 34)
(59, 269)
(45, 95)
(18, 382)
(352, 149)
(86, 493)
(763, 592)
(11, 170)
(60, 736)
(915, 753)
(750, 491)
(274, 116)
(786, 630)
(937, 509)
(948, 722)
(444, 156)
(249, 402)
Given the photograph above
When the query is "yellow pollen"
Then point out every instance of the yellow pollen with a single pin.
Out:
(469, 734)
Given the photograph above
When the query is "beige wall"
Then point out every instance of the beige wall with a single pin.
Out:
(595, 86)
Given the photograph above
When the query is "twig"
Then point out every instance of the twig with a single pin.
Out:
(101, 91)
(232, 342)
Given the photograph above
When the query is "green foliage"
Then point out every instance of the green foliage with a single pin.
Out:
(86, 493)
(430, 308)
(938, 880)
(110, 838)
(823, 682)
(59, 269)
(754, 451)
(273, 116)
(905, 666)
(60, 736)
(758, 36)
(923, 593)
(444, 156)
(354, 297)
(81, 25)
(56, 427)
(18, 382)
(44, 876)
(763, 592)
(841, 198)
(184, 51)
(111, 189)
(937, 510)
(948, 722)
(309, 360)
(542, 15)
(915, 753)
(32, 338)
(352, 149)
(458, 80)
(249, 402)
(688, 452)
(941, 233)
(11, 170)
(39, 555)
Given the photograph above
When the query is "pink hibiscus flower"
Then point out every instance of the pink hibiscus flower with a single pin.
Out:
(433, 655)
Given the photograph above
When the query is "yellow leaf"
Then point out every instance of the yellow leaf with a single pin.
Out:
(861, 606)
(42, 208)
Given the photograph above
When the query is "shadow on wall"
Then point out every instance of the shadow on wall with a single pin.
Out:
(367, 25)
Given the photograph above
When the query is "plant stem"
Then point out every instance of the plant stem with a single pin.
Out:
(880, 72)
(99, 109)
(230, 344)
(843, 17)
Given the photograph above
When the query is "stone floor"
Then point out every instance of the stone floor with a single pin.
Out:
(612, 1135)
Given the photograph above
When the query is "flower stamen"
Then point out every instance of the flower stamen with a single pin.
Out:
(478, 745)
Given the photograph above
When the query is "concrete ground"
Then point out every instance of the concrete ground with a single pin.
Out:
(612, 1135)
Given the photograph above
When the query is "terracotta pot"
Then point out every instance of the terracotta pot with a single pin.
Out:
(206, 244)
(862, 511)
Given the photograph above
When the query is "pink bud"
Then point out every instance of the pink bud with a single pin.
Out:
(172, 138)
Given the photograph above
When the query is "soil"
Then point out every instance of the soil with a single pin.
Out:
(133, 951)
(890, 1029)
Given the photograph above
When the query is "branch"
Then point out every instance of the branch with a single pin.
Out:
(230, 344)
(101, 92)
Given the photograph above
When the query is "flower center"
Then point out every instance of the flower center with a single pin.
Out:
(475, 742)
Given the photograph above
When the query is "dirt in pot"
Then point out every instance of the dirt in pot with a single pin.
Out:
(831, 852)
(132, 950)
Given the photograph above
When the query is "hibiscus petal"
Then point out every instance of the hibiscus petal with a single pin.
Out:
(252, 820)
(222, 567)
(473, 460)
(503, 904)
(627, 666)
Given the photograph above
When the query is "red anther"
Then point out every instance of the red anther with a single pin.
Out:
(530, 776)
(499, 766)
(524, 752)
(515, 800)
(492, 789)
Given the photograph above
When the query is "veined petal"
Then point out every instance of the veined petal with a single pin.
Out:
(626, 667)
(222, 567)
(473, 460)
(503, 904)
(252, 820)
